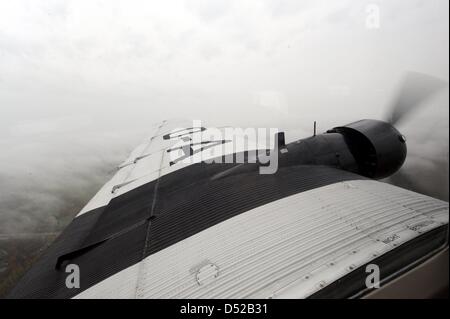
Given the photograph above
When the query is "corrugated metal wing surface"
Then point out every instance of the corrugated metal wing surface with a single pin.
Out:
(292, 247)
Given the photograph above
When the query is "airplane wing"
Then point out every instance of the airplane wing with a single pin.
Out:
(168, 227)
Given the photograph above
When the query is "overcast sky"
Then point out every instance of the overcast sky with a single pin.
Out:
(106, 59)
(81, 80)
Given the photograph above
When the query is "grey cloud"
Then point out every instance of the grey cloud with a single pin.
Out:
(137, 63)
(279, 8)
(46, 178)
(209, 11)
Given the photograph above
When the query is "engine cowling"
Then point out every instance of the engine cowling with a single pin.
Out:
(378, 147)
(370, 148)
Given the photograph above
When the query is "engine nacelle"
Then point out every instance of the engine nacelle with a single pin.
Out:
(378, 147)
(370, 148)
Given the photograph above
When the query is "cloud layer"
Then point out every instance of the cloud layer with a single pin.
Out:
(81, 81)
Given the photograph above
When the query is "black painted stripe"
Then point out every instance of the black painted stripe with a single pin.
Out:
(109, 239)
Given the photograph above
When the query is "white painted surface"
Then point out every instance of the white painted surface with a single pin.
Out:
(289, 248)
(150, 159)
